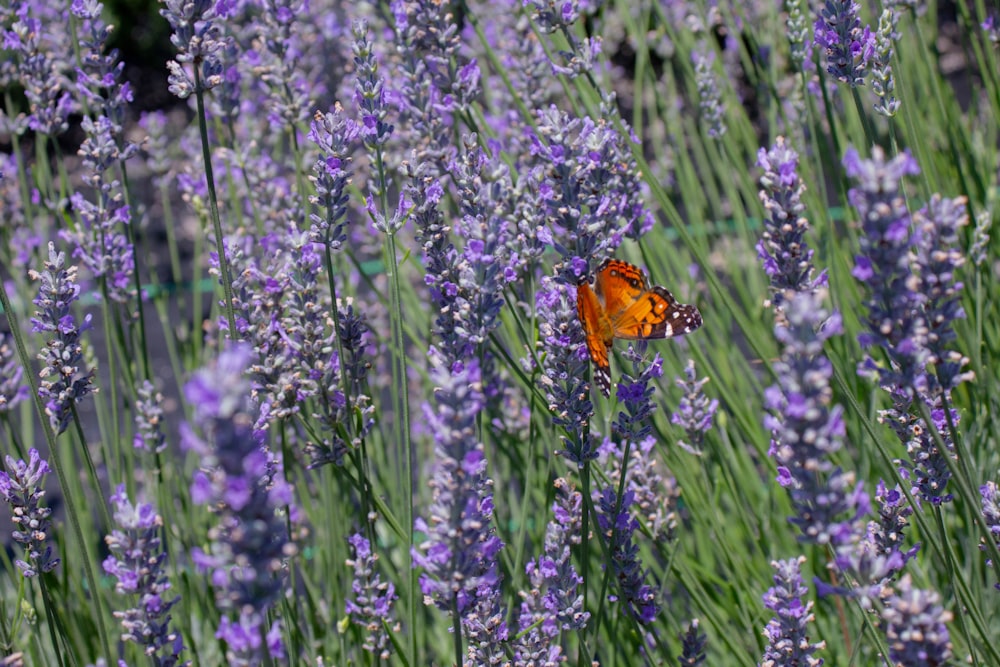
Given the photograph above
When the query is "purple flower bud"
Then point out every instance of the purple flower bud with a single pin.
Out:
(373, 600)
(65, 378)
(915, 626)
(22, 488)
(138, 562)
(787, 637)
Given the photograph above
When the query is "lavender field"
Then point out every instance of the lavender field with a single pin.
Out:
(307, 364)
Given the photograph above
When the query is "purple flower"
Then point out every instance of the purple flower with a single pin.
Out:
(21, 487)
(196, 36)
(99, 79)
(938, 262)
(713, 111)
(369, 90)
(787, 636)
(638, 598)
(286, 91)
(656, 494)
(636, 395)
(693, 645)
(102, 244)
(12, 389)
(149, 434)
(991, 513)
(305, 362)
(695, 410)
(590, 193)
(894, 319)
(786, 256)
(247, 640)
(926, 468)
(553, 603)
(440, 81)
(551, 17)
(913, 300)
(137, 561)
(373, 600)
(459, 555)
(806, 431)
(420, 89)
(40, 69)
(65, 378)
(915, 627)
(242, 484)
(333, 133)
(849, 48)
(564, 370)
(481, 268)
(886, 532)
(439, 254)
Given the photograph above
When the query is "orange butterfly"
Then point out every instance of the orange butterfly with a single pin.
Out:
(623, 305)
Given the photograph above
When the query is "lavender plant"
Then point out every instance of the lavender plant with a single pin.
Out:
(402, 273)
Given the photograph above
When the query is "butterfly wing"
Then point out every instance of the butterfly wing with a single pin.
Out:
(619, 284)
(597, 330)
(656, 314)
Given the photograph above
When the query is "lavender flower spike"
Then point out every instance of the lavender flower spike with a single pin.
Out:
(786, 256)
(638, 598)
(149, 434)
(991, 513)
(939, 261)
(371, 607)
(915, 626)
(137, 560)
(894, 318)
(197, 40)
(553, 603)
(787, 641)
(693, 643)
(12, 389)
(806, 431)
(22, 489)
(713, 111)
(564, 370)
(241, 483)
(883, 82)
(695, 410)
(459, 556)
(333, 133)
(71, 381)
(849, 48)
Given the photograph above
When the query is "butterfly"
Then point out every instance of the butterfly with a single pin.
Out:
(623, 305)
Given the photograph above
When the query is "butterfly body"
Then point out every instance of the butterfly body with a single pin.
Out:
(623, 305)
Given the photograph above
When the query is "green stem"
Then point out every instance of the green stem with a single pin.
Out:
(402, 423)
(220, 245)
(584, 548)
